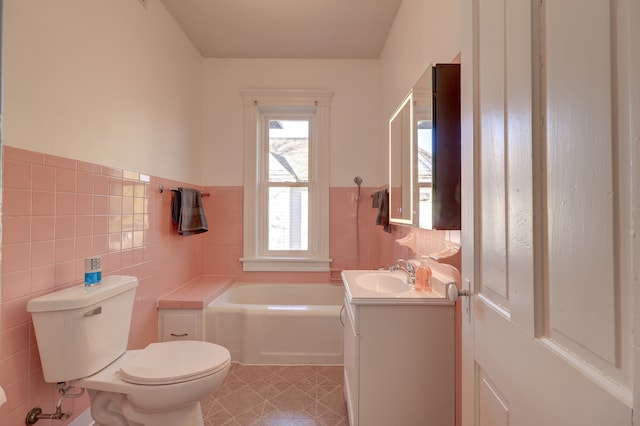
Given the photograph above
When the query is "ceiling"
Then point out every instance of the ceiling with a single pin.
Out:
(311, 29)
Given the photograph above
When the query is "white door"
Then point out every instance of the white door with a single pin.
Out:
(550, 182)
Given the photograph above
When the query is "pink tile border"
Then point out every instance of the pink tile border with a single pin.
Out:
(60, 162)
(32, 157)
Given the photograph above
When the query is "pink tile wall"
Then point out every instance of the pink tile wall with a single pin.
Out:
(355, 242)
(56, 212)
(223, 245)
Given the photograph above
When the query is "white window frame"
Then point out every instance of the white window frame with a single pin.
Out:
(261, 103)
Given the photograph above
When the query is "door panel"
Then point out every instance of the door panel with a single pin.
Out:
(491, 63)
(538, 385)
(581, 199)
(548, 244)
(493, 410)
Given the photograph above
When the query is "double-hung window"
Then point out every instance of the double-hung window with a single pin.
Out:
(286, 187)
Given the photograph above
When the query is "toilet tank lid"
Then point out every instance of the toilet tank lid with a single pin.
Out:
(80, 296)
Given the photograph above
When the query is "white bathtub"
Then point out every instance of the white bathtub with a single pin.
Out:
(278, 323)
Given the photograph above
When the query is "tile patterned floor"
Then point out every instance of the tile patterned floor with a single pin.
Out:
(278, 395)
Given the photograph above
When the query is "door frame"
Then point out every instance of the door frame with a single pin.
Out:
(634, 134)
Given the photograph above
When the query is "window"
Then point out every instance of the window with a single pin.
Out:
(286, 187)
(287, 181)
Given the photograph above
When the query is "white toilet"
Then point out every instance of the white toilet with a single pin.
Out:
(82, 335)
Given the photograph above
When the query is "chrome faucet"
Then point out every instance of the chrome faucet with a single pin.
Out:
(409, 269)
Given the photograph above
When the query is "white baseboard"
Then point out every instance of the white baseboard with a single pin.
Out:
(84, 419)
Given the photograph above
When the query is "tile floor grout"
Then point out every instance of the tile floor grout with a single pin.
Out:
(278, 395)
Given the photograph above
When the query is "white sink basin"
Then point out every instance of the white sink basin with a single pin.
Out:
(386, 287)
(383, 282)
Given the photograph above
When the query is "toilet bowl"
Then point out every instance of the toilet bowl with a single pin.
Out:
(82, 333)
(145, 386)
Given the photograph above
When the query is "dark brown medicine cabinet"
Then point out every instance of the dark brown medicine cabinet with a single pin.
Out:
(424, 152)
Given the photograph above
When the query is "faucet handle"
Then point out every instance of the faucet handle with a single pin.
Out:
(408, 265)
(396, 265)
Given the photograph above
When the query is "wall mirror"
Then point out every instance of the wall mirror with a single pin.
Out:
(400, 163)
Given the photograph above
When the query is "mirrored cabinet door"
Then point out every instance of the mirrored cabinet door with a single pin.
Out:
(400, 163)
(423, 151)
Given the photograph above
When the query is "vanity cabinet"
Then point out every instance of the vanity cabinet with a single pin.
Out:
(180, 324)
(399, 364)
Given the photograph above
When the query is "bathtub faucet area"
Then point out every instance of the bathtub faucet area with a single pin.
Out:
(409, 269)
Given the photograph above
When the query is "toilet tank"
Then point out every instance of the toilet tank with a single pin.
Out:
(80, 330)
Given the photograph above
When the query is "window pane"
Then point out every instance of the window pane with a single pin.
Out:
(289, 149)
(425, 151)
(425, 209)
(288, 218)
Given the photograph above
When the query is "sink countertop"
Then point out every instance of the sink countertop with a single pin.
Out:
(369, 287)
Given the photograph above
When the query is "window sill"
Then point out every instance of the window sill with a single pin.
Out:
(270, 264)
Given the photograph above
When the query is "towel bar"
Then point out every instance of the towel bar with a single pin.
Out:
(372, 195)
(161, 188)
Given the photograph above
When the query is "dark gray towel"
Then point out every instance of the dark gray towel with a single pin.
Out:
(187, 212)
(381, 202)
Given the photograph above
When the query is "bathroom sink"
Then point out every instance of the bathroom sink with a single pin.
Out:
(387, 287)
(383, 282)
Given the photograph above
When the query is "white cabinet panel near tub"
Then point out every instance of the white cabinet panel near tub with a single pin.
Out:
(180, 324)
(399, 365)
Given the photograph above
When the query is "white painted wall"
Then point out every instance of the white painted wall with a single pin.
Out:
(424, 32)
(103, 81)
(365, 94)
(356, 143)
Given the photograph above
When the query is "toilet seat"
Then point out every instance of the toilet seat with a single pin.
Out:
(174, 362)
